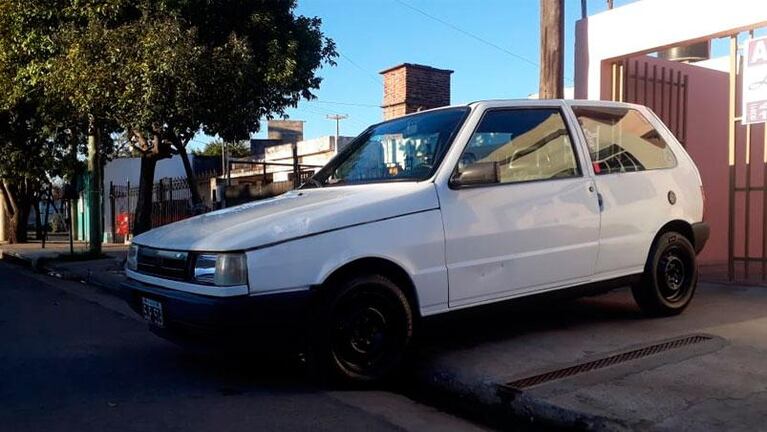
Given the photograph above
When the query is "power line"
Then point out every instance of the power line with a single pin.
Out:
(369, 74)
(324, 115)
(471, 35)
(345, 103)
(467, 33)
(324, 111)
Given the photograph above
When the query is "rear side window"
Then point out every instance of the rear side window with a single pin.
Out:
(622, 140)
(520, 145)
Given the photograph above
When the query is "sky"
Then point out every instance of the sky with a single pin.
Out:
(491, 45)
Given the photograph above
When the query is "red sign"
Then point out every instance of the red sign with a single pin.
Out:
(123, 224)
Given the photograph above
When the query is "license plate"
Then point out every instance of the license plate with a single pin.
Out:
(152, 311)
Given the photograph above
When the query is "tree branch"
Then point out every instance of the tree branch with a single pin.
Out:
(143, 145)
(10, 201)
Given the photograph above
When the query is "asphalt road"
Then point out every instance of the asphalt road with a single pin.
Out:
(75, 359)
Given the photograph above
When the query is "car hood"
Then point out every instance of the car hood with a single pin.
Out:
(292, 215)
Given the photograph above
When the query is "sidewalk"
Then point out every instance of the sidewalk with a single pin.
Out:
(54, 260)
(563, 364)
(591, 364)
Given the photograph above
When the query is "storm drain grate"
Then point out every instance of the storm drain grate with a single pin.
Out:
(607, 361)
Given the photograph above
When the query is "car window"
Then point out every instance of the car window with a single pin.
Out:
(404, 149)
(622, 140)
(518, 145)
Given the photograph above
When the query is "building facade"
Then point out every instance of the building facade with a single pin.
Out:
(654, 52)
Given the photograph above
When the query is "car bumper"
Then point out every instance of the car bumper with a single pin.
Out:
(701, 232)
(247, 323)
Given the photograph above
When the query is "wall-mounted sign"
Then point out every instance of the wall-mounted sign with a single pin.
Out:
(755, 81)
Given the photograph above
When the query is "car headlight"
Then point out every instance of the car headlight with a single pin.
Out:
(226, 269)
(132, 262)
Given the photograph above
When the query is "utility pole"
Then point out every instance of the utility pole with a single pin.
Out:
(2, 217)
(337, 118)
(223, 157)
(552, 49)
(95, 186)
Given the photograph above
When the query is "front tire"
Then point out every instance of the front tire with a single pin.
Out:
(363, 331)
(670, 277)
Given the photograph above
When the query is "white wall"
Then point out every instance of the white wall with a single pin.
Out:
(316, 151)
(649, 25)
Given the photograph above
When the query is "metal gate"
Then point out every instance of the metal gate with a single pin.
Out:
(171, 202)
(747, 229)
(663, 89)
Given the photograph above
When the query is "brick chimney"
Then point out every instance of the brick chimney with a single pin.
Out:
(411, 87)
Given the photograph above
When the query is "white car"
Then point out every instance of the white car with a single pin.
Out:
(436, 211)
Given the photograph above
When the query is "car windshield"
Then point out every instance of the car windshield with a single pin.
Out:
(405, 149)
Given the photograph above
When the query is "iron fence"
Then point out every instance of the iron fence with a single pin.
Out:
(171, 202)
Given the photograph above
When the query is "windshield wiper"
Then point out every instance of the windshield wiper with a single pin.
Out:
(314, 182)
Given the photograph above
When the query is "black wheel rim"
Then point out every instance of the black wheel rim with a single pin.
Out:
(674, 274)
(366, 332)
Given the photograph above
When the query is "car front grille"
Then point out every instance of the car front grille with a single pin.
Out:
(163, 263)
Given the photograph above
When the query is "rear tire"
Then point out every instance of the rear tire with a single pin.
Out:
(670, 277)
(362, 331)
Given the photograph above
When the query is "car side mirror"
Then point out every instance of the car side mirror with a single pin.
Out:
(478, 173)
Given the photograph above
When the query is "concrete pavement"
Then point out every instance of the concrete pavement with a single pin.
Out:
(73, 360)
(464, 361)
(717, 384)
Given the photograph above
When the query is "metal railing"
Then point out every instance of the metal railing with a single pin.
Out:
(171, 202)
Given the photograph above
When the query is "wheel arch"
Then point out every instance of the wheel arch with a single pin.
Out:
(377, 265)
(676, 225)
(680, 226)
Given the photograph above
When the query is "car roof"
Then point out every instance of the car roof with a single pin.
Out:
(500, 103)
(549, 102)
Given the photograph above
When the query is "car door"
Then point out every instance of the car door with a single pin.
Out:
(633, 166)
(519, 213)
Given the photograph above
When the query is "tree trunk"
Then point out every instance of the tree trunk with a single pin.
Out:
(45, 221)
(143, 219)
(10, 208)
(191, 179)
(13, 232)
(19, 223)
(3, 212)
(17, 212)
(94, 189)
(38, 221)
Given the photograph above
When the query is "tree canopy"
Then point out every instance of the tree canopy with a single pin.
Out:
(237, 149)
(175, 66)
(158, 70)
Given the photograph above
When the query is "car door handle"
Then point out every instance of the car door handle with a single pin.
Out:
(601, 202)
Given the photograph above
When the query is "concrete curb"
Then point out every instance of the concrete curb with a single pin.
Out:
(484, 400)
(49, 266)
(18, 259)
(526, 406)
